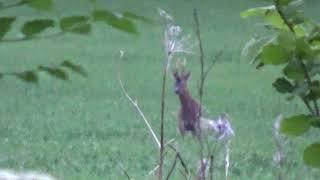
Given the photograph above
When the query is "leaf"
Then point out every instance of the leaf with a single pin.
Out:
(257, 11)
(55, 72)
(295, 125)
(1, 75)
(282, 85)
(130, 15)
(37, 26)
(81, 29)
(284, 2)
(314, 93)
(274, 54)
(311, 155)
(117, 21)
(75, 24)
(27, 76)
(275, 20)
(5, 25)
(39, 4)
(76, 68)
(253, 48)
(303, 49)
(294, 70)
(287, 40)
(314, 35)
(315, 122)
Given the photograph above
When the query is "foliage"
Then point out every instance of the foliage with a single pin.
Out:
(295, 47)
(36, 28)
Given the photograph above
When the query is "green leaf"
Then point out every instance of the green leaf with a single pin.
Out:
(303, 49)
(274, 54)
(117, 21)
(81, 29)
(311, 155)
(76, 68)
(28, 76)
(5, 25)
(282, 85)
(55, 72)
(257, 11)
(294, 70)
(39, 4)
(287, 40)
(300, 30)
(284, 2)
(37, 26)
(130, 15)
(1, 75)
(75, 24)
(295, 125)
(315, 122)
(314, 35)
(253, 48)
(275, 20)
(314, 93)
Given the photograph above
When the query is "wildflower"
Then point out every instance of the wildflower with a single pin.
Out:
(223, 128)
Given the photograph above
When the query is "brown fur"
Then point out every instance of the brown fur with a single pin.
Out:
(189, 111)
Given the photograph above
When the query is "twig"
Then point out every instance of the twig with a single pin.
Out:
(184, 165)
(124, 171)
(135, 104)
(305, 71)
(211, 167)
(172, 167)
(153, 170)
(164, 77)
(201, 58)
(216, 58)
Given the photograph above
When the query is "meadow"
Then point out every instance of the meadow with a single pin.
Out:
(84, 128)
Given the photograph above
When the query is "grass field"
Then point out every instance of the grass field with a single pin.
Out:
(82, 128)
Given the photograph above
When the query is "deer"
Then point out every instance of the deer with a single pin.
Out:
(189, 113)
(190, 118)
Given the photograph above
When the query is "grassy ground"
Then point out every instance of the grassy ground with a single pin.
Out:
(82, 128)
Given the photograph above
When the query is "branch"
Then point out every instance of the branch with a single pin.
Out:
(201, 58)
(124, 171)
(306, 74)
(211, 168)
(184, 165)
(216, 58)
(164, 77)
(172, 167)
(136, 106)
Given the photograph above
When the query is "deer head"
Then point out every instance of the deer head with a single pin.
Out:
(181, 79)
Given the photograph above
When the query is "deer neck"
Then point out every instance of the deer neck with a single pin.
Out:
(185, 99)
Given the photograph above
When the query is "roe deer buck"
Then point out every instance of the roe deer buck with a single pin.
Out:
(190, 109)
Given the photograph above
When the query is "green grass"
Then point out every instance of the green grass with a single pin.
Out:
(81, 128)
